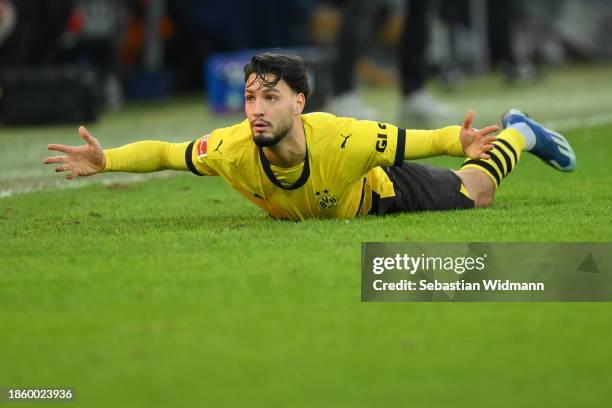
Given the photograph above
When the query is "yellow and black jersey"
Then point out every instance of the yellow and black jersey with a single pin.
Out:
(341, 177)
(336, 179)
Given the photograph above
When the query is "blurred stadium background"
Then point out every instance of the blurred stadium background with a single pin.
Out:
(144, 312)
(67, 62)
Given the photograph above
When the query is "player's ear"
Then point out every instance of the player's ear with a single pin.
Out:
(300, 102)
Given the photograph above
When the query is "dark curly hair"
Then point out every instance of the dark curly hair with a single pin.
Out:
(286, 66)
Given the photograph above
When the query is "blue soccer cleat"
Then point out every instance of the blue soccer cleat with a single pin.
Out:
(550, 146)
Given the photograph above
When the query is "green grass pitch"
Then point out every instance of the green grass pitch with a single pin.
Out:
(173, 291)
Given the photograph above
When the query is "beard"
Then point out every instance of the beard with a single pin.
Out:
(271, 139)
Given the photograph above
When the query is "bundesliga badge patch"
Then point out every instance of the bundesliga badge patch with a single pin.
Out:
(203, 147)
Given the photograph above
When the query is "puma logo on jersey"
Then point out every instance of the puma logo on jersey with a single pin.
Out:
(343, 145)
(218, 147)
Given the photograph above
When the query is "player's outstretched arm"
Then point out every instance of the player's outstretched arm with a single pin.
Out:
(457, 141)
(80, 161)
(139, 157)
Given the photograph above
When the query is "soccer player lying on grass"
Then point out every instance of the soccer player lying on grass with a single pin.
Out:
(297, 166)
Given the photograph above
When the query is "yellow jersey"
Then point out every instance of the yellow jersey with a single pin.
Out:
(336, 180)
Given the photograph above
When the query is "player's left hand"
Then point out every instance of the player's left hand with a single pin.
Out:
(476, 143)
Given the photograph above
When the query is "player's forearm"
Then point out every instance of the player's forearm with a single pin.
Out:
(428, 143)
(146, 156)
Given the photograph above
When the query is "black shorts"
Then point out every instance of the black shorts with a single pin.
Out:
(420, 187)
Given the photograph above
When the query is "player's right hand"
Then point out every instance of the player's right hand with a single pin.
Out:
(79, 161)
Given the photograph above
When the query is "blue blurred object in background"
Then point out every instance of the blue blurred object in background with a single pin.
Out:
(224, 78)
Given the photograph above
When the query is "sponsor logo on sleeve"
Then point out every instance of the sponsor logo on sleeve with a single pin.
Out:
(381, 141)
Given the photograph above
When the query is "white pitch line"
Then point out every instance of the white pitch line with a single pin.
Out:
(578, 122)
(79, 183)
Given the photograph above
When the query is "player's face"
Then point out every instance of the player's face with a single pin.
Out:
(270, 110)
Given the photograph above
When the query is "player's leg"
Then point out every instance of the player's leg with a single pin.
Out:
(477, 186)
(521, 133)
